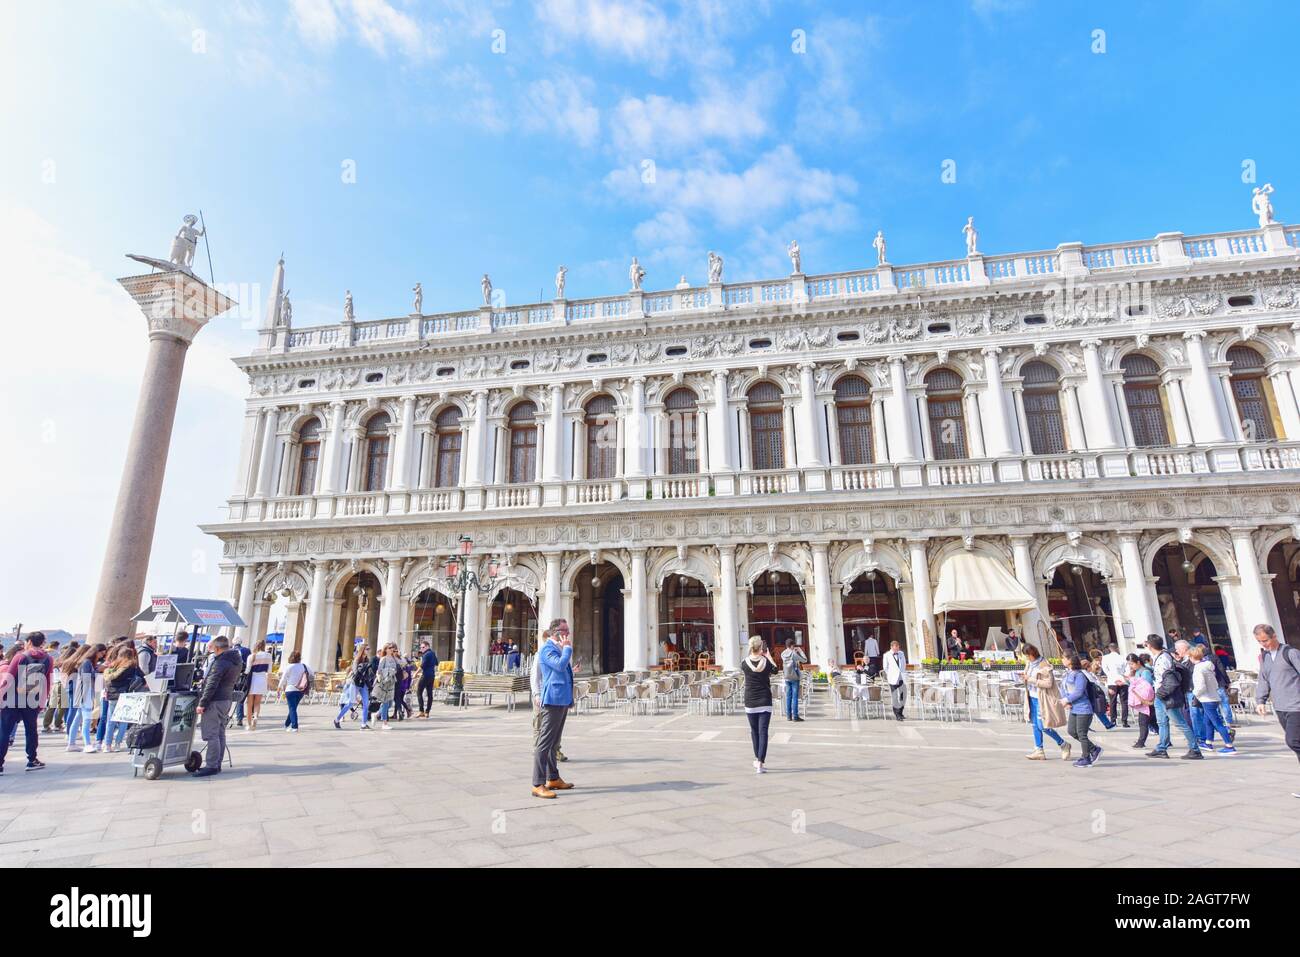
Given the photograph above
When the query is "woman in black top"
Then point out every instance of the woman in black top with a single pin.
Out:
(758, 668)
(124, 676)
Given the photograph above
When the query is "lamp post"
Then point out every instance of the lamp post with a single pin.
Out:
(462, 579)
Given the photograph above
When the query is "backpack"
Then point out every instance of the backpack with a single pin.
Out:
(142, 737)
(33, 681)
(792, 666)
(304, 682)
(1096, 696)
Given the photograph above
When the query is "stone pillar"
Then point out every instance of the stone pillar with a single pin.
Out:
(923, 644)
(635, 648)
(553, 445)
(997, 431)
(247, 592)
(391, 605)
(176, 307)
(1288, 409)
(1075, 435)
(265, 487)
(902, 439)
(551, 603)
(634, 430)
(1256, 605)
(313, 633)
(809, 426)
(475, 646)
(1097, 405)
(402, 452)
(1208, 425)
(1140, 602)
(726, 634)
(1025, 575)
(331, 453)
(822, 647)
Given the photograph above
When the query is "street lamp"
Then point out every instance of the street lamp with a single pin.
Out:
(463, 578)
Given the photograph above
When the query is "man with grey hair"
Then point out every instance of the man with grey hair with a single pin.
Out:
(224, 668)
(1279, 680)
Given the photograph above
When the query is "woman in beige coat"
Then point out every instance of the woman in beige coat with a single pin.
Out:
(1043, 708)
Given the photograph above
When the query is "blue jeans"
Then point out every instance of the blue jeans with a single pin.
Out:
(101, 729)
(383, 711)
(792, 699)
(293, 697)
(79, 718)
(1036, 723)
(10, 718)
(116, 729)
(1165, 714)
(1212, 720)
(364, 694)
(1195, 715)
(1225, 708)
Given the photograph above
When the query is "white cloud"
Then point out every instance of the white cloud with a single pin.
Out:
(839, 63)
(562, 106)
(632, 28)
(375, 23)
(378, 23)
(317, 22)
(660, 125)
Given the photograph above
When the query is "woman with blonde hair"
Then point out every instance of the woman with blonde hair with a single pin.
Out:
(258, 668)
(121, 678)
(758, 668)
(385, 689)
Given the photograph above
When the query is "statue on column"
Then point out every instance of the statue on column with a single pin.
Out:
(796, 258)
(560, 275)
(972, 236)
(348, 314)
(636, 273)
(1260, 204)
(286, 310)
(486, 285)
(187, 238)
(715, 267)
(418, 307)
(879, 245)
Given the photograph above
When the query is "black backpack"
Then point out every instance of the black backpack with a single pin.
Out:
(1096, 697)
(144, 736)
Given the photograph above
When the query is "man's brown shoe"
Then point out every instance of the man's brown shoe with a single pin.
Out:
(558, 785)
(543, 792)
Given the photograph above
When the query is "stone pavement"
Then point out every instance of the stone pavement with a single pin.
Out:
(658, 790)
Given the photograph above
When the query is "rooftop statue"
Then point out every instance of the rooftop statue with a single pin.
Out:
(715, 267)
(796, 258)
(184, 244)
(348, 314)
(560, 275)
(486, 285)
(1261, 205)
(286, 310)
(972, 236)
(879, 244)
(636, 273)
(418, 307)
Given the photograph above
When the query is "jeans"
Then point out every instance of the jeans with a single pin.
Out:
(1212, 721)
(79, 718)
(239, 711)
(1166, 714)
(1079, 725)
(1036, 723)
(55, 707)
(792, 699)
(758, 724)
(116, 729)
(383, 710)
(1225, 708)
(101, 729)
(364, 695)
(1197, 718)
(424, 693)
(293, 697)
(9, 721)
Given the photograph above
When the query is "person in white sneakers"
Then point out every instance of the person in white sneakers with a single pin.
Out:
(1205, 689)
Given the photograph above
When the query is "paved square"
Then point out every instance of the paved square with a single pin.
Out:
(672, 789)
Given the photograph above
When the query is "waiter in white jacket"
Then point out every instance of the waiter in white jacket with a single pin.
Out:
(896, 676)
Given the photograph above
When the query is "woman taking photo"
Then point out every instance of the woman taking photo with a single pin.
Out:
(1043, 708)
(360, 677)
(1075, 693)
(258, 668)
(758, 667)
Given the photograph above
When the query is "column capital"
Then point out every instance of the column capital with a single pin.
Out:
(1022, 540)
(1192, 334)
(726, 548)
(819, 547)
(991, 351)
(1128, 535)
(1091, 344)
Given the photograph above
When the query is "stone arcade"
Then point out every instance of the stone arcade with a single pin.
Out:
(1114, 427)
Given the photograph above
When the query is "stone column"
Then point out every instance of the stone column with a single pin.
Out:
(1207, 421)
(823, 648)
(1256, 605)
(265, 487)
(1140, 602)
(923, 645)
(390, 606)
(634, 430)
(726, 635)
(1097, 405)
(475, 646)
(1025, 575)
(997, 431)
(554, 439)
(176, 307)
(810, 430)
(329, 481)
(1288, 409)
(247, 592)
(634, 620)
(902, 441)
(551, 604)
(313, 632)
(1075, 437)
(402, 453)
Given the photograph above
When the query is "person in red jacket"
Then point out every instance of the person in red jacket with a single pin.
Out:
(24, 690)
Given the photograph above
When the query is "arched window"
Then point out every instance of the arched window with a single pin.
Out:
(766, 428)
(447, 435)
(1042, 398)
(943, 399)
(1146, 411)
(308, 457)
(853, 420)
(523, 443)
(376, 453)
(682, 433)
(1251, 394)
(601, 424)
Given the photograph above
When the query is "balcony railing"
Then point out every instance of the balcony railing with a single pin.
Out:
(896, 479)
(1171, 249)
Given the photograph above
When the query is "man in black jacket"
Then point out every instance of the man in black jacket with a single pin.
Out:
(224, 667)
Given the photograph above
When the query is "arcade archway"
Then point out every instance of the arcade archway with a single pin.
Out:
(434, 621)
(778, 610)
(597, 624)
(1189, 595)
(871, 608)
(513, 618)
(1284, 565)
(358, 622)
(685, 619)
(1079, 608)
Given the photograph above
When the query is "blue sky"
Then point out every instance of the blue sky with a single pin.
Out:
(121, 117)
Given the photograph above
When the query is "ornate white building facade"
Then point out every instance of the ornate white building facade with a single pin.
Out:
(1111, 430)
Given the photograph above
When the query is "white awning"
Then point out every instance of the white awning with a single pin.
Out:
(971, 582)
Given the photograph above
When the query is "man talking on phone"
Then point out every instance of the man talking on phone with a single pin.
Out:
(554, 689)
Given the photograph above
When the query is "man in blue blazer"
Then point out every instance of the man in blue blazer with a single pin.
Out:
(556, 695)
